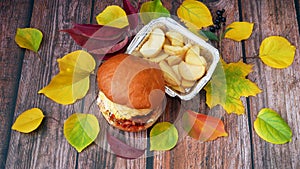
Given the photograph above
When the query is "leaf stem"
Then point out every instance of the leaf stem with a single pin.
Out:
(39, 56)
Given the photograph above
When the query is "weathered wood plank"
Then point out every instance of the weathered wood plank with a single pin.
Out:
(231, 152)
(280, 86)
(46, 147)
(99, 155)
(11, 18)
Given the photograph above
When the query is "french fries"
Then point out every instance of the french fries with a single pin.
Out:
(180, 60)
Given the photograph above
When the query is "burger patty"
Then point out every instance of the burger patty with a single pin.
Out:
(123, 119)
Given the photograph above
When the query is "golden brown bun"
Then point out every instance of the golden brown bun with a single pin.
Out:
(131, 81)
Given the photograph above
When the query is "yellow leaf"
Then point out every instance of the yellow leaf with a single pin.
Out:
(28, 120)
(277, 52)
(239, 31)
(228, 84)
(72, 82)
(194, 14)
(81, 130)
(113, 16)
(29, 38)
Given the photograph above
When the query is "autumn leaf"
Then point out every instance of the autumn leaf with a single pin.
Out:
(72, 82)
(131, 12)
(228, 84)
(202, 127)
(28, 120)
(163, 136)
(153, 10)
(81, 130)
(239, 31)
(194, 14)
(277, 52)
(99, 39)
(29, 38)
(123, 150)
(113, 16)
(271, 127)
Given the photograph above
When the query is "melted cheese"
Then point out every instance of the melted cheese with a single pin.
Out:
(120, 111)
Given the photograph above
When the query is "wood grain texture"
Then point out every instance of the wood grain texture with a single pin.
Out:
(281, 87)
(11, 18)
(46, 147)
(228, 152)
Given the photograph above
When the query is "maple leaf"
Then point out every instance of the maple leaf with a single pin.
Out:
(228, 84)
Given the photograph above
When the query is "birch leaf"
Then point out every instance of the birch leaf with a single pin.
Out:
(28, 120)
(152, 10)
(73, 80)
(239, 31)
(81, 130)
(194, 14)
(202, 127)
(228, 84)
(277, 52)
(271, 127)
(113, 16)
(29, 38)
(163, 136)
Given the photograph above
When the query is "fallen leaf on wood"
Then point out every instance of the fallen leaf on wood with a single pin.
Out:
(28, 120)
(163, 136)
(123, 150)
(29, 38)
(81, 130)
(202, 127)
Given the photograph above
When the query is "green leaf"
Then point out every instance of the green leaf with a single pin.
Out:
(209, 35)
(228, 84)
(163, 136)
(81, 130)
(28, 120)
(152, 10)
(73, 80)
(277, 52)
(29, 38)
(271, 127)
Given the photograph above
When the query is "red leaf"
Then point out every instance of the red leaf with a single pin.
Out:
(123, 150)
(202, 127)
(111, 49)
(131, 11)
(94, 37)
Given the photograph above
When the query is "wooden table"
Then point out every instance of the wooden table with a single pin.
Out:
(22, 75)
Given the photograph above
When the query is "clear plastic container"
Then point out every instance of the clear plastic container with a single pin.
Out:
(210, 53)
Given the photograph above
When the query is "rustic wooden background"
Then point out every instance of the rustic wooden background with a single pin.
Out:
(22, 75)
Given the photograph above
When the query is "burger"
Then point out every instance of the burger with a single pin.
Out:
(131, 92)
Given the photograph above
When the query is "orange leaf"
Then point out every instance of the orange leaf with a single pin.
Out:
(202, 127)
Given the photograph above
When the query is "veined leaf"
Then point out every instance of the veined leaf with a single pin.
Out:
(163, 136)
(73, 80)
(202, 127)
(239, 31)
(152, 10)
(271, 127)
(194, 14)
(113, 16)
(98, 37)
(29, 38)
(123, 150)
(28, 120)
(228, 84)
(81, 130)
(277, 52)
